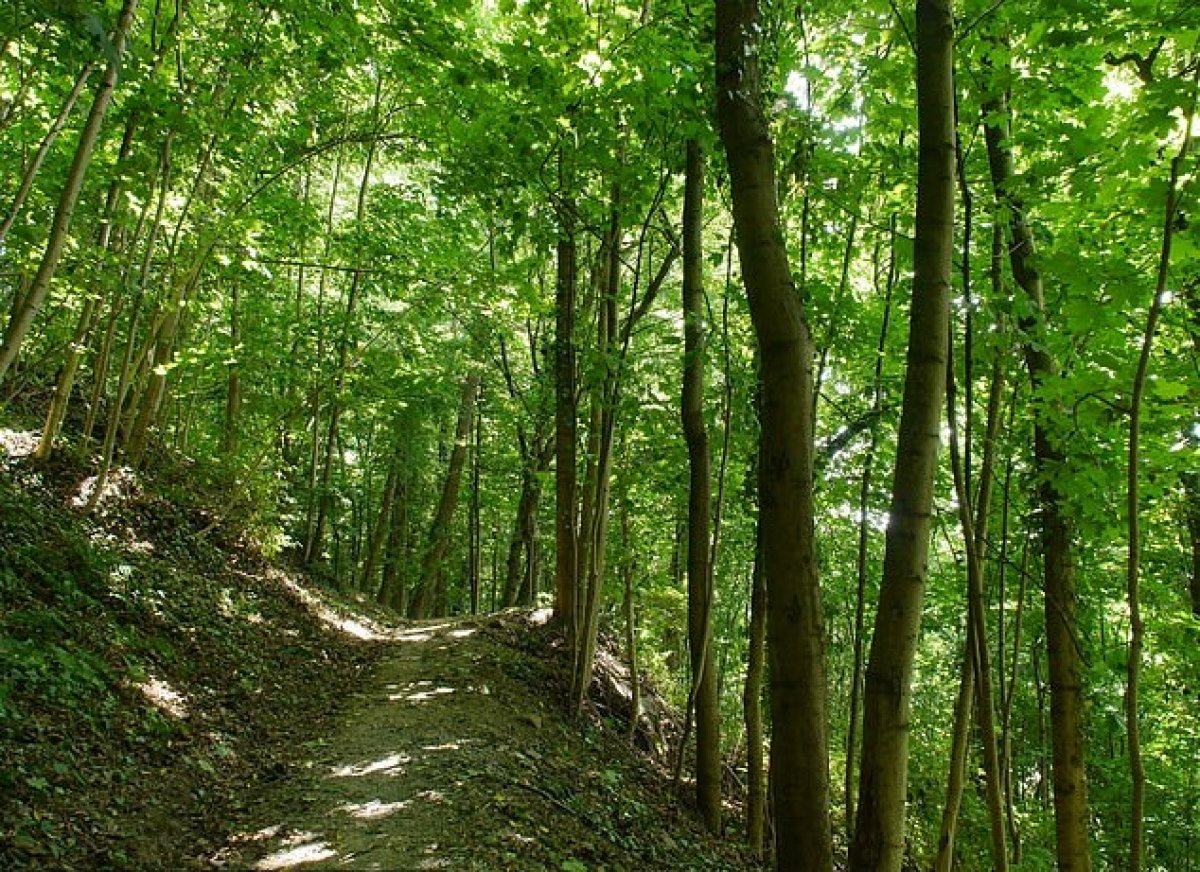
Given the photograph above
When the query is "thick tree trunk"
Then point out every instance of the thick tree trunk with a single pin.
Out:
(700, 579)
(30, 303)
(1065, 659)
(426, 593)
(796, 627)
(878, 843)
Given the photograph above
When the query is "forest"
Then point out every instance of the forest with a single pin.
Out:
(836, 364)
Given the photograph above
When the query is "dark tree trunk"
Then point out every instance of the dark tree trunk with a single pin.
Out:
(795, 624)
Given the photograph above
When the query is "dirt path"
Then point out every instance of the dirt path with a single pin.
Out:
(452, 757)
(399, 786)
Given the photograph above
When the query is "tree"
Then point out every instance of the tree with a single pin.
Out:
(879, 828)
(700, 583)
(795, 624)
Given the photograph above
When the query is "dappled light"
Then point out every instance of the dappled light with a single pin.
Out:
(422, 695)
(119, 486)
(301, 854)
(375, 808)
(18, 443)
(164, 697)
(393, 764)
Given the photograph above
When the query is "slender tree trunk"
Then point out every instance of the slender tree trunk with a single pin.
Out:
(66, 379)
(233, 385)
(566, 568)
(864, 529)
(474, 560)
(1065, 660)
(978, 650)
(1191, 510)
(128, 365)
(313, 535)
(39, 156)
(628, 567)
(31, 302)
(593, 533)
(878, 843)
(700, 577)
(383, 525)
(756, 781)
(795, 624)
(1137, 772)
(426, 593)
(391, 591)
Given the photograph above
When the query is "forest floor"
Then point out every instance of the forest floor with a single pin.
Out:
(454, 755)
(170, 699)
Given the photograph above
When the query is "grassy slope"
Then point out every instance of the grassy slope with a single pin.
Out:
(153, 686)
(146, 677)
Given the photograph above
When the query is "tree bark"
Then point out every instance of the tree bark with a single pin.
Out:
(795, 624)
(1137, 772)
(878, 843)
(1064, 658)
(439, 533)
(31, 302)
(700, 578)
(565, 567)
(864, 528)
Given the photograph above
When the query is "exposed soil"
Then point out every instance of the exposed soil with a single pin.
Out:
(455, 756)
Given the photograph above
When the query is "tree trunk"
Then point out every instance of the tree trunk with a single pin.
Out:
(1065, 659)
(39, 156)
(1137, 771)
(439, 533)
(864, 528)
(233, 387)
(756, 786)
(565, 567)
(879, 829)
(383, 525)
(29, 304)
(700, 577)
(795, 624)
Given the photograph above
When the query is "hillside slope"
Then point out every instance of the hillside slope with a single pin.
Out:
(170, 700)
